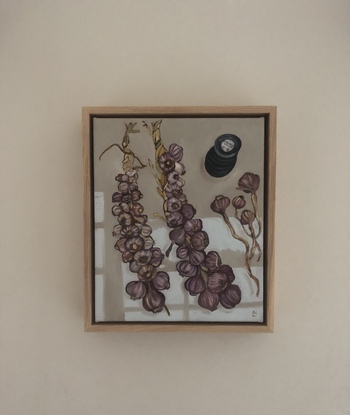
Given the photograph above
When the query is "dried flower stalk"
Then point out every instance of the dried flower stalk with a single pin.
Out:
(205, 275)
(135, 242)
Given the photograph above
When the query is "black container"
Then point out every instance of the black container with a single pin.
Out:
(222, 157)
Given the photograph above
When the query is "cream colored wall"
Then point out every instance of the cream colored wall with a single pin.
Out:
(60, 55)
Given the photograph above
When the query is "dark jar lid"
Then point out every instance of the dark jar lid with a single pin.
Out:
(227, 145)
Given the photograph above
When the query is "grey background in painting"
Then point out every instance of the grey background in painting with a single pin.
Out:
(196, 136)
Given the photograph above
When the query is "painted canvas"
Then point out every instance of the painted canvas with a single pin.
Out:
(179, 213)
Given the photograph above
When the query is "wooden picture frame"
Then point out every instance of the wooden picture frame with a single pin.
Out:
(194, 251)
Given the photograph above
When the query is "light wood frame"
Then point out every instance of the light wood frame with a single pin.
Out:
(269, 113)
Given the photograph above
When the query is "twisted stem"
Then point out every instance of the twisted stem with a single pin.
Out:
(247, 249)
(254, 198)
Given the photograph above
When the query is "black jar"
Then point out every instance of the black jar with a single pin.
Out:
(222, 157)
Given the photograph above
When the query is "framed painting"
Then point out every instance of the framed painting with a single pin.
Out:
(179, 218)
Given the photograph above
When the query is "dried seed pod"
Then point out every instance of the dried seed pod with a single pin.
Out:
(220, 204)
(238, 202)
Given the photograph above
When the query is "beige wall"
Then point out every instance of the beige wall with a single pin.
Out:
(60, 55)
